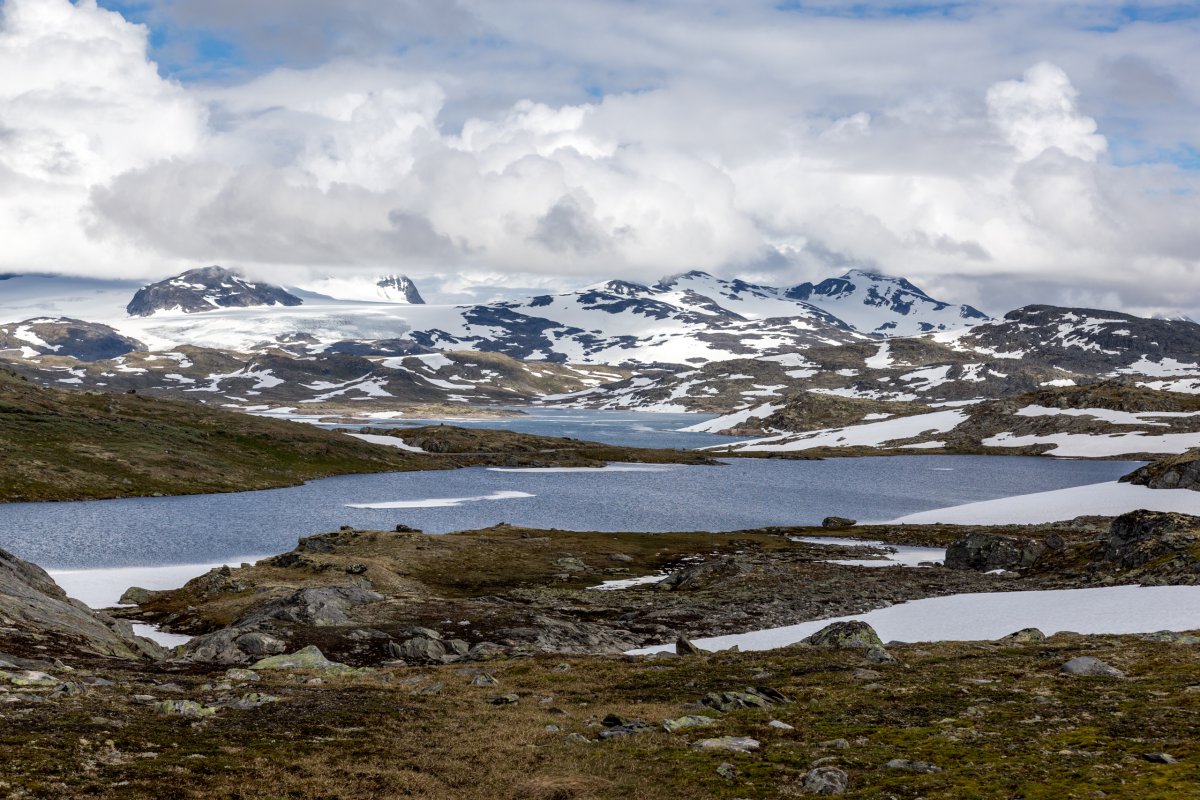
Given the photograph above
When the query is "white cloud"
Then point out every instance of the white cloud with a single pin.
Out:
(742, 140)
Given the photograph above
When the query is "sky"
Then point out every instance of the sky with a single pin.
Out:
(995, 152)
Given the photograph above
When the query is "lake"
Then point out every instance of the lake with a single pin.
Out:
(742, 493)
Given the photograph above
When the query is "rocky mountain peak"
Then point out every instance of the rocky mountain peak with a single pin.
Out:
(205, 289)
(400, 288)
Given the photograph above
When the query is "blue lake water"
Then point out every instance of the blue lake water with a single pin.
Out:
(628, 428)
(745, 493)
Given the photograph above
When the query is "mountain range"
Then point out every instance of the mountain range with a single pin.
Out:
(691, 342)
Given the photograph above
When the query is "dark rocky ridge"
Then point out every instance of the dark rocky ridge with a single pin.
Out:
(1176, 472)
(205, 289)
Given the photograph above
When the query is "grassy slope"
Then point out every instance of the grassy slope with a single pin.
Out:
(999, 720)
(61, 445)
(71, 445)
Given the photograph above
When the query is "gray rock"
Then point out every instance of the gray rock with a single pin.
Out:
(701, 576)
(419, 650)
(728, 744)
(136, 596)
(825, 781)
(834, 744)
(727, 771)
(253, 700)
(1090, 666)
(484, 679)
(260, 644)
(683, 647)
(780, 726)
(1160, 758)
(838, 523)
(620, 557)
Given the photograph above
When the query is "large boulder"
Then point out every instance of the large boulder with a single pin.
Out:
(702, 576)
(854, 633)
(1140, 537)
(984, 552)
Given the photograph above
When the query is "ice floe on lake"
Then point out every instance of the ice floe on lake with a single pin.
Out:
(443, 502)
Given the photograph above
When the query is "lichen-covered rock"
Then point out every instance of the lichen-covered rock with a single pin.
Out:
(853, 633)
(687, 721)
(1140, 537)
(838, 523)
(307, 658)
(825, 781)
(984, 552)
(1024, 636)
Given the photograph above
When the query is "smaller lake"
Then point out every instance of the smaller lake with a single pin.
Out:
(627, 428)
(743, 493)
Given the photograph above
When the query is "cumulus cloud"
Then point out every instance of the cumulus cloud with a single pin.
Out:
(730, 137)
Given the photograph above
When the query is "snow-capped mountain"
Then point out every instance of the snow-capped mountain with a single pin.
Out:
(205, 289)
(885, 306)
(382, 289)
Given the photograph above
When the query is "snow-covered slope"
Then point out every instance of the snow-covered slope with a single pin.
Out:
(884, 305)
(382, 289)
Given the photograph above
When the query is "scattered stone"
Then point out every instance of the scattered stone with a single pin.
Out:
(484, 679)
(780, 726)
(865, 675)
(728, 744)
(1025, 636)
(1092, 667)
(620, 557)
(727, 771)
(1160, 758)
(238, 675)
(854, 633)
(253, 700)
(260, 644)
(838, 523)
(402, 528)
(183, 708)
(356, 569)
(683, 647)
(431, 689)
(504, 699)
(577, 738)
(761, 697)
(1172, 637)
(834, 744)
(913, 766)
(826, 781)
(689, 721)
(879, 655)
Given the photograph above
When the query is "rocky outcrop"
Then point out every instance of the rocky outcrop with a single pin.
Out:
(36, 613)
(1176, 472)
(1142, 538)
(853, 633)
(83, 341)
(984, 552)
(702, 576)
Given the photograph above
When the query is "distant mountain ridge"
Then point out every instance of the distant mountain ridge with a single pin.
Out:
(205, 289)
